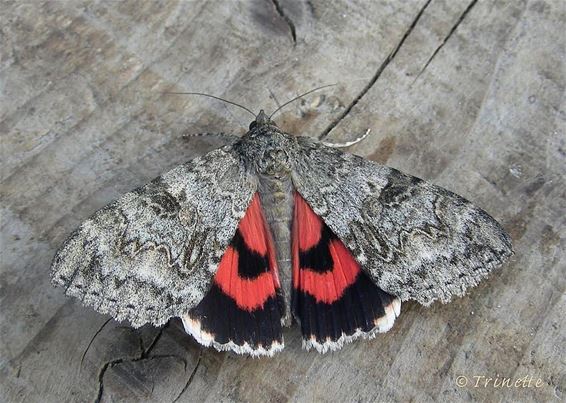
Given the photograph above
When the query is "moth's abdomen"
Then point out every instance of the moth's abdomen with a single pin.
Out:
(277, 200)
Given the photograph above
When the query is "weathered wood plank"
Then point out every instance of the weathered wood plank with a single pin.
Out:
(467, 94)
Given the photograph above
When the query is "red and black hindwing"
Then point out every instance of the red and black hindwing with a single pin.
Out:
(241, 311)
(333, 299)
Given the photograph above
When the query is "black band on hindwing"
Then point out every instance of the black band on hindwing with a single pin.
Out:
(220, 316)
(318, 258)
(358, 308)
(250, 263)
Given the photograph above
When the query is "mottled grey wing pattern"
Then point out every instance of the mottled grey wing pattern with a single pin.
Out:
(416, 240)
(151, 254)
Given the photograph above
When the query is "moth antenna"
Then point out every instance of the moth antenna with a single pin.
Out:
(219, 134)
(214, 97)
(300, 96)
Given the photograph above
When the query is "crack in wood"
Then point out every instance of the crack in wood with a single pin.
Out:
(154, 341)
(144, 355)
(101, 373)
(159, 356)
(286, 18)
(191, 377)
(447, 37)
(91, 341)
(376, 75)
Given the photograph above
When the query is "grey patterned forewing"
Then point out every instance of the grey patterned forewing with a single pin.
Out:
(416, 240)
(151, 254)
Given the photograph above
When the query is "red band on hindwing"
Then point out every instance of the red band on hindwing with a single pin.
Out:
(248, 294)
(329, 286)
(310, 231)
(322, 266)
(252, 228)
(247, 272)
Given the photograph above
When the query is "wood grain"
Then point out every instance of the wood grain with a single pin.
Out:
(466, 94)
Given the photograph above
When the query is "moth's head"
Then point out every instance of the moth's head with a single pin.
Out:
(261, 120)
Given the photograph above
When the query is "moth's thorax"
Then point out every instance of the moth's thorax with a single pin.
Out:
(266, 150)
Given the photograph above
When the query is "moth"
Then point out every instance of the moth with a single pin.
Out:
(276, 229)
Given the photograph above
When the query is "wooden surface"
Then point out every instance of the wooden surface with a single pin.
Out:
(466, 94)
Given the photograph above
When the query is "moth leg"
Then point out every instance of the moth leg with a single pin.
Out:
(348, 143)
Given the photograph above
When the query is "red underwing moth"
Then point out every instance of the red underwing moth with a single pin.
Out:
(275, 229)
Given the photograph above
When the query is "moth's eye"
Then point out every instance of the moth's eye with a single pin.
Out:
(253, 124)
